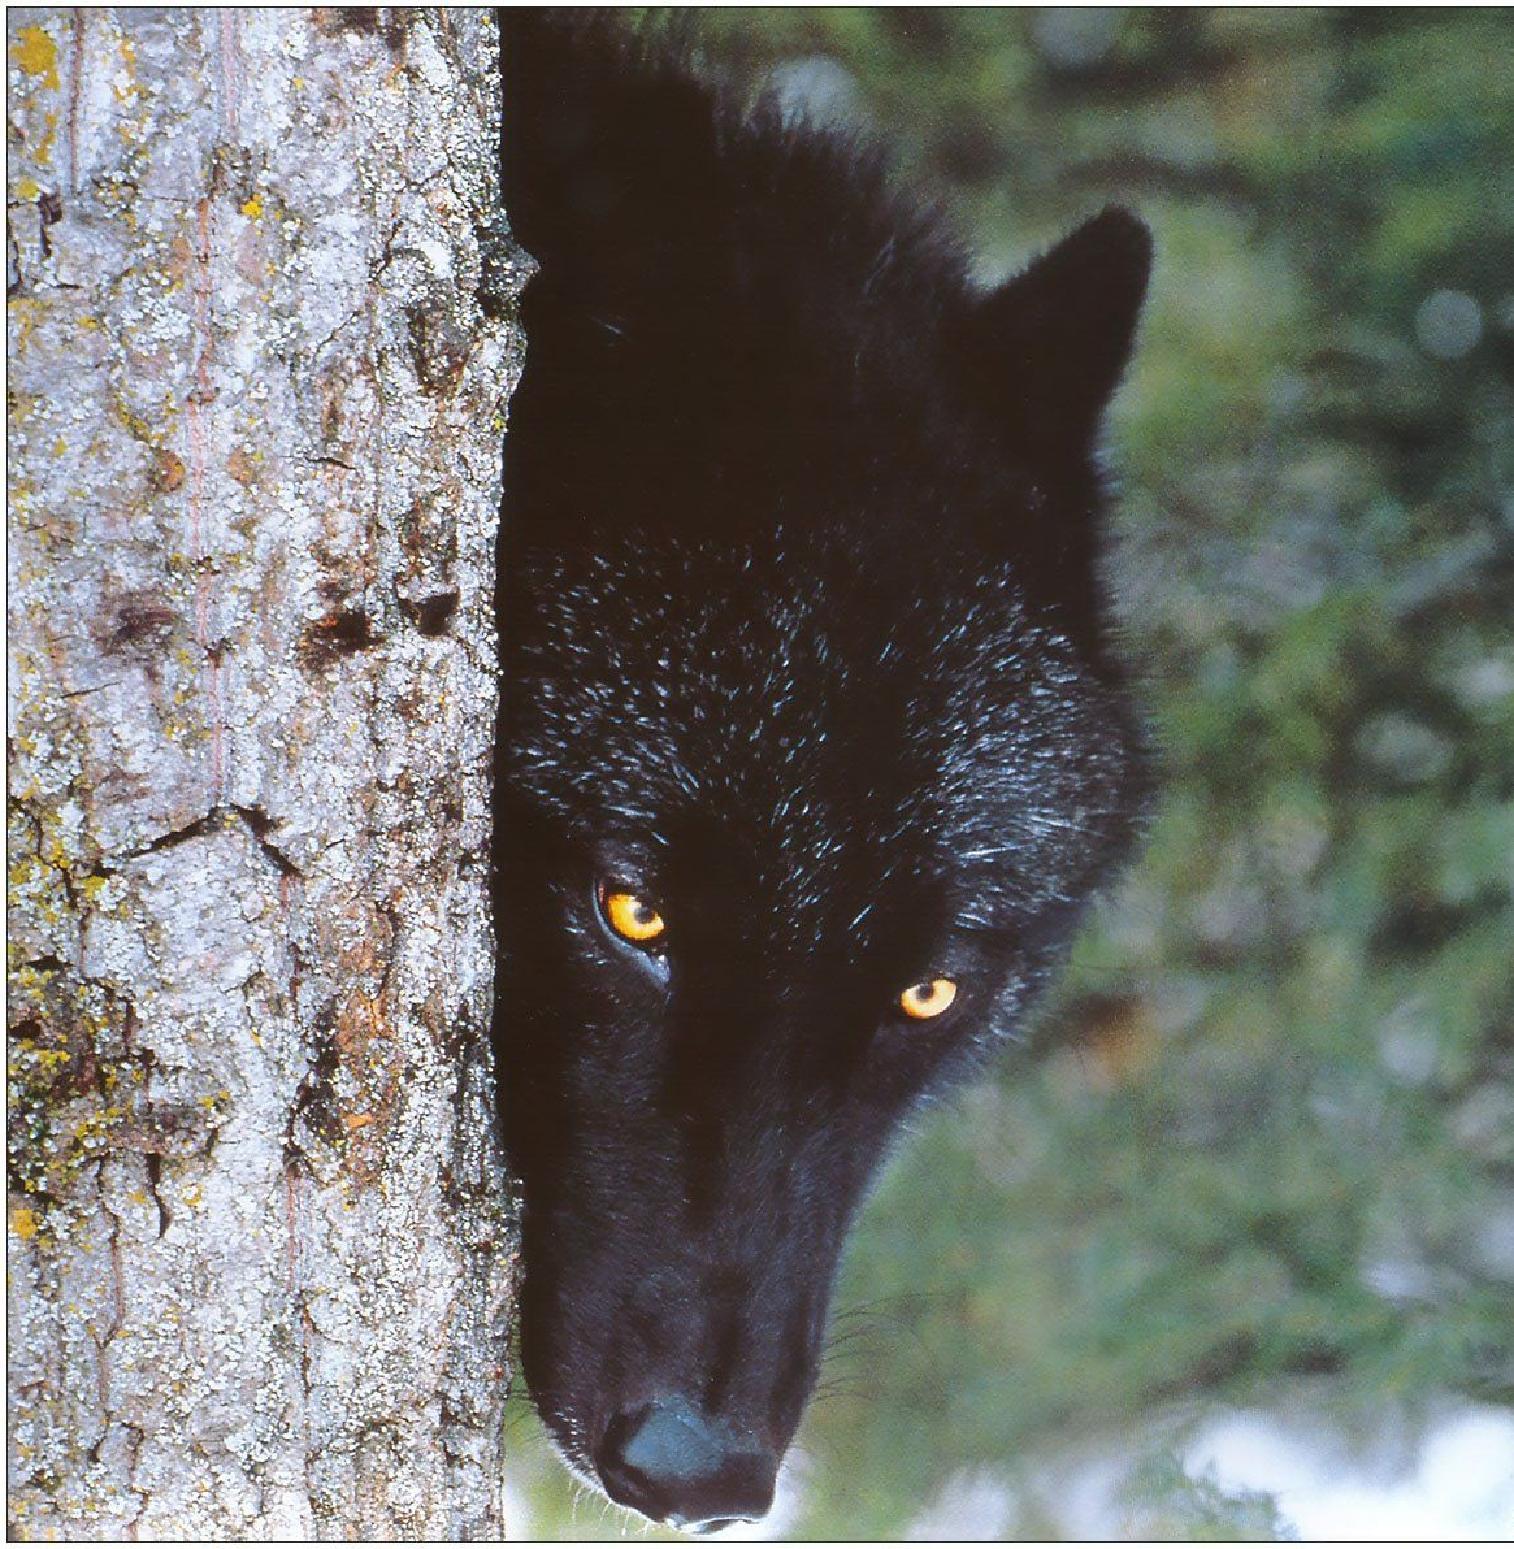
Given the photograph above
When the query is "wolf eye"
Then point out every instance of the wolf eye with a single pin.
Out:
(632, 918)
(928, 999)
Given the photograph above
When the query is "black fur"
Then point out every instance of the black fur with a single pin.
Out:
(803, 640)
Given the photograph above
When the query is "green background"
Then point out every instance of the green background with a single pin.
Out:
(1261, 1151)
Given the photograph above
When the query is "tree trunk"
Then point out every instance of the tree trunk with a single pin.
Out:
(261, 339)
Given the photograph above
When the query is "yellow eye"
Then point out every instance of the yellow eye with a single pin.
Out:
(633, 919)
(928, 999)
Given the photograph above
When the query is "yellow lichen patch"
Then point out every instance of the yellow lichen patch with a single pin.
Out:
(24, 1222)
(28, 190)
(43, 153)
(25, 867)
(30, 1055)
(133, 422)
(37, 55)
(27, 314)
(130, 88)
(253, 208)
(29, 886)
(96, 1126)
(29, 981)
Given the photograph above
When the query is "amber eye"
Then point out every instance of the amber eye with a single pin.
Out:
(632, 918)
(928, 999)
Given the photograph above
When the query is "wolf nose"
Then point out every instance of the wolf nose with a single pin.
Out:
(676, 1465)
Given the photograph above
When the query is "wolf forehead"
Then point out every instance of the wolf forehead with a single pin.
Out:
(809, 702)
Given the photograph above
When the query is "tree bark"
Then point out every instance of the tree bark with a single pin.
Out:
(261, 339)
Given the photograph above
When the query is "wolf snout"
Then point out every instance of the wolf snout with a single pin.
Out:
(675, 1464)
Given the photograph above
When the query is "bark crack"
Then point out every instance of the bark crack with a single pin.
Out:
(154, 1177)
(136, 1436)
(257, 823)
(260, 825)
(103, 1342)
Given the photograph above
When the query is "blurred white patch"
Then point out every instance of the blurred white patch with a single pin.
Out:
(1486, 681)
(1080, 36)
(1449, 324)
(973, 1507)
(1078, 1492)
(1484, 1123)
(1404, 747)
(517, 1512)
(1494, 1245)
(1458, 1482)
(1400, 1277)
(1408, 1042)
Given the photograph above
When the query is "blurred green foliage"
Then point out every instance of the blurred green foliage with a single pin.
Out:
(1162, 1501)
(1265, 1141)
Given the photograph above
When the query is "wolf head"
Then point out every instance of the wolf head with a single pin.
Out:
(813, 753)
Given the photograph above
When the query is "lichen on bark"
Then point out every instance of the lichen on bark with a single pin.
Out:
(260, 345)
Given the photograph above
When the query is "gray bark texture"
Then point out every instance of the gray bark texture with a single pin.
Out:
(261, 341)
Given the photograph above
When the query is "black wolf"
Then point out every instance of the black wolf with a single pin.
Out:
(813, 747)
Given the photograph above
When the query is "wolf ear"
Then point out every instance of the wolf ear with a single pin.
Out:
(1052, 343)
